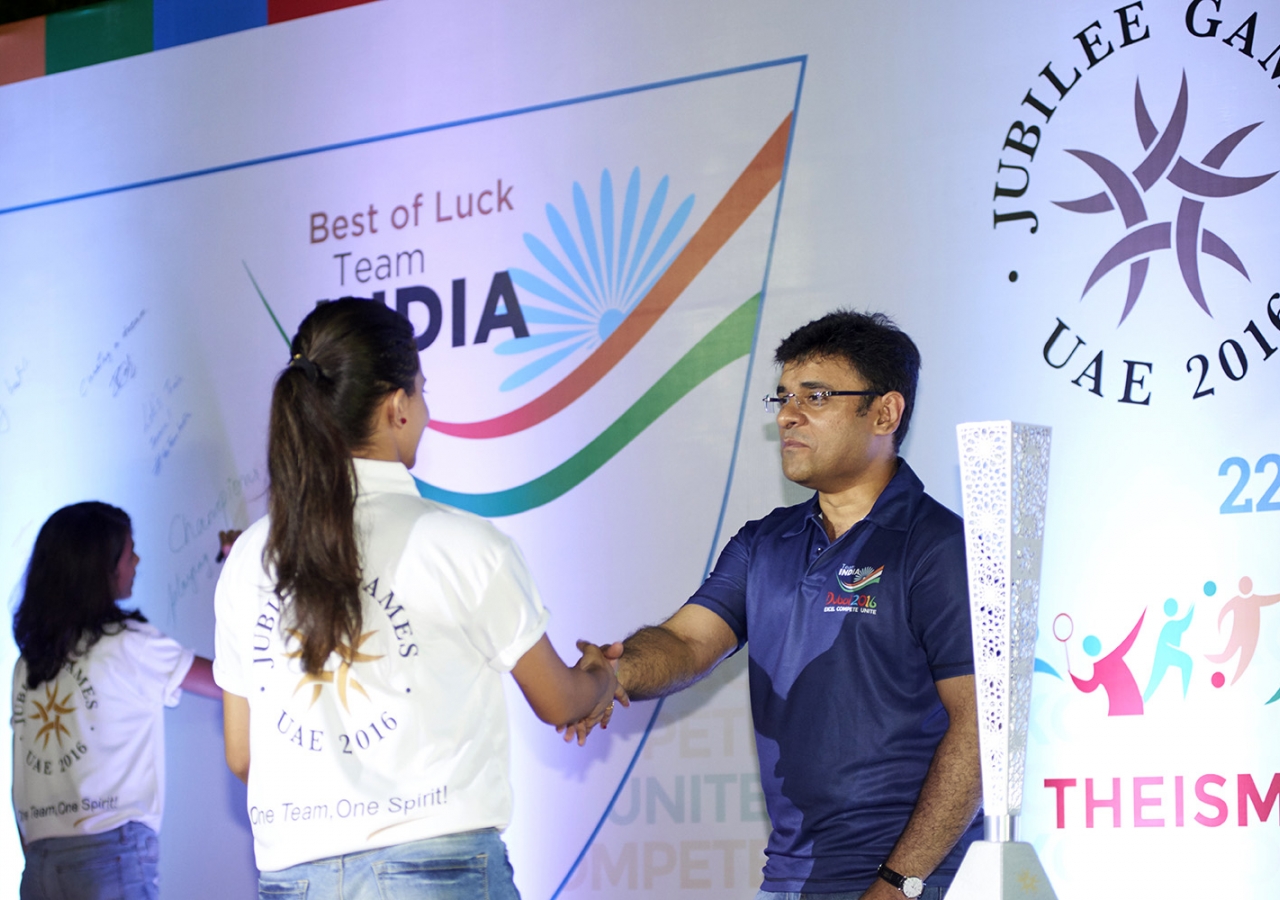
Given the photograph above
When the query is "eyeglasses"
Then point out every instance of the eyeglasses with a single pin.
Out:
(810, 400)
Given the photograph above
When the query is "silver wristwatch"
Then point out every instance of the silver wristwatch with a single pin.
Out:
(910, 886)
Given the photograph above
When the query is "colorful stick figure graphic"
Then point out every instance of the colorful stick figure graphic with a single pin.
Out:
(1246, 622)
(1168, 652)
(1111, 673)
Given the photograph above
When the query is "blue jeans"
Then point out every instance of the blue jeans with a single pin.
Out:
(931, 892)
(121, 864)
(468, 866)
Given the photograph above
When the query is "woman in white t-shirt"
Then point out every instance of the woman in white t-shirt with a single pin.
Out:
(89, 693)
(363, 634)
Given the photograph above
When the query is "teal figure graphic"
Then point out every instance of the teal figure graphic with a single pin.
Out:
(1168, 652)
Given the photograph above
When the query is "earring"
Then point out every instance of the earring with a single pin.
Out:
(404, 421)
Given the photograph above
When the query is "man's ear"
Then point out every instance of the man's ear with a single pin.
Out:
(889, 412)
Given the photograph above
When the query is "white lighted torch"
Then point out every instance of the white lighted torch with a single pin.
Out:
(1004, 477)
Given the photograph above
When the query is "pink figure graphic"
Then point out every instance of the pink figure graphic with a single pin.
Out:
(1246, 622)
(1112, 674)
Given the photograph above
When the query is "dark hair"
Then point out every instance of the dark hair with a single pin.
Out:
(347, 356)
(68, 599)
(871, 344)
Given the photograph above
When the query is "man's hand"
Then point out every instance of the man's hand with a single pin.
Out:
(663, 659)
(607, 654)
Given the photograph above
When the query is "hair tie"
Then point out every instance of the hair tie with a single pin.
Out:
(310, 369)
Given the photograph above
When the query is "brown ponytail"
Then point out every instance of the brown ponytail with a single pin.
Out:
(347, 356)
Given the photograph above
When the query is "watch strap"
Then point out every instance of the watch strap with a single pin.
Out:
(898, 880)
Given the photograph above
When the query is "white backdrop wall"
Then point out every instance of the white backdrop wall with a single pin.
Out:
(902, 157)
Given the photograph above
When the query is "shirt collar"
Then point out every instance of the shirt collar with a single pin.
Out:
(892, 509)
(895, 506)
(377, 476)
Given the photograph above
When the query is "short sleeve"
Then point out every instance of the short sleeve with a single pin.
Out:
(940, 608)
(725, 590)
(508, 618)
(159, 663)
(235, 579)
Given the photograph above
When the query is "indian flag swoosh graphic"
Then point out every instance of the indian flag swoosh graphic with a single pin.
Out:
(852, 586)
(760, 177)
(728, 341)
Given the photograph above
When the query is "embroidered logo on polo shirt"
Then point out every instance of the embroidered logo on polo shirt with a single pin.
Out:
(851, 580)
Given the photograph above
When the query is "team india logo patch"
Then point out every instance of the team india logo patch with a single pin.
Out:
(853, 579)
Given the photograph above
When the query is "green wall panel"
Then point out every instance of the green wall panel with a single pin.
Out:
(97, 33)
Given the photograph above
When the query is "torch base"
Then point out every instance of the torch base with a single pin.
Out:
(1001, 871)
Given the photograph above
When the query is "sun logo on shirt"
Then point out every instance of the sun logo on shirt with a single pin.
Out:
(342, 677)
(50, 712)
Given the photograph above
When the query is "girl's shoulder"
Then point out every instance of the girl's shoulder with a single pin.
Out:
(131, 634)
(458, 526)
(430, 517)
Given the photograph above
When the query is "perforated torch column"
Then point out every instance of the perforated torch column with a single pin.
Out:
(1004, 475)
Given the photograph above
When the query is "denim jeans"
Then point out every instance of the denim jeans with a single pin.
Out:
(931, 892)
(468, 866)
(121, 864)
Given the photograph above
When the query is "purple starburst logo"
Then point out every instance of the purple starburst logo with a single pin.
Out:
(1125, 192)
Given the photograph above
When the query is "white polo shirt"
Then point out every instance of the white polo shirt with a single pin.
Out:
(88, 746)
(409, 739)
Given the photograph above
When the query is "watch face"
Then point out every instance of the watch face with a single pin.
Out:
(912, 886)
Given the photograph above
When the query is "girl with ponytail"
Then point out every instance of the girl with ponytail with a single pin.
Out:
(362, 636)
(89, 694)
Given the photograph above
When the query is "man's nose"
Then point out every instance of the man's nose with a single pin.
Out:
(790, 413)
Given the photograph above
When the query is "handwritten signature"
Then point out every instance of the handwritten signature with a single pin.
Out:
(123, 373)
(184, 530)
(187, 581)
(168, 444)
(18, 370)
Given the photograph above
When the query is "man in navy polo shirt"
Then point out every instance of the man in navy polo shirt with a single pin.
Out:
(855, 607)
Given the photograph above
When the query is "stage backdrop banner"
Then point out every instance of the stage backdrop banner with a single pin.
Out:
(600, 221)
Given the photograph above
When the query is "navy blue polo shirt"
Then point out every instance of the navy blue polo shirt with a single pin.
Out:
(846, 640)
